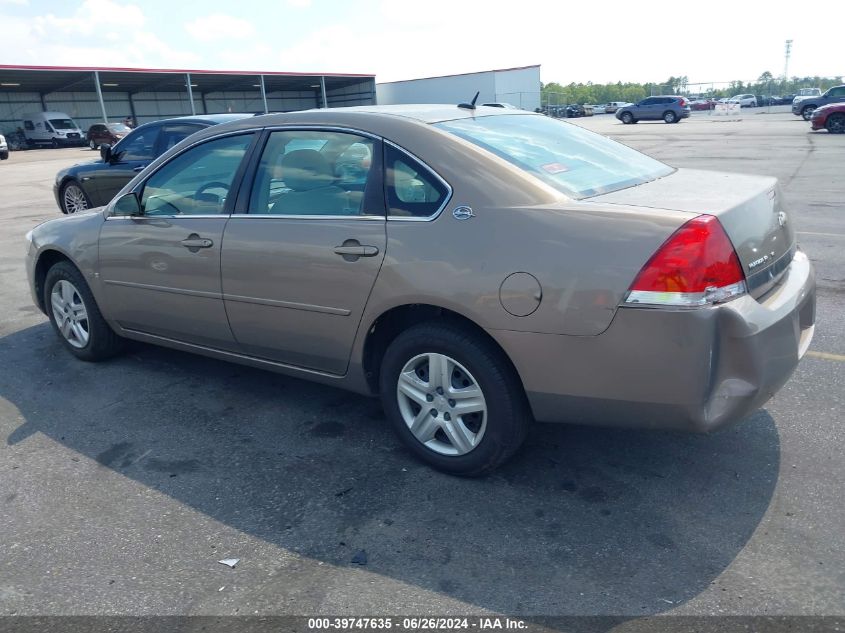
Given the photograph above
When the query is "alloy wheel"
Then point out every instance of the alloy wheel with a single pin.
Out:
(836, 124)
(74, 199)
(442, 404)
(70, 313)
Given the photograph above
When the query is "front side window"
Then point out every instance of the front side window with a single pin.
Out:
(412, 190)
(140, 145)
(575, 161)
(196, 182)
(315, 172)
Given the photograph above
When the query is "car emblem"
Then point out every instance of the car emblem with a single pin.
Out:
(782, 218)
(463, 213)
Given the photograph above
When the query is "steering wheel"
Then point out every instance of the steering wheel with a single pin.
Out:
(211, 185)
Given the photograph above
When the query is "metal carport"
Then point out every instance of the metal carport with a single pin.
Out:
(94, 94)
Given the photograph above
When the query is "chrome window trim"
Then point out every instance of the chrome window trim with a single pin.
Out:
(317, 216)
(303, 127)
(222, 216)
(447, 199)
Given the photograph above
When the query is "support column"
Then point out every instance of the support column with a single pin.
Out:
(190, 92)
(323, 91)
(100, 96)
(264, 95)
(132, 110)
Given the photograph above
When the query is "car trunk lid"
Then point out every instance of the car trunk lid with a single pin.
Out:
(750, 208)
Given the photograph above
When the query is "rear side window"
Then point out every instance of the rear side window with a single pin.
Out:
(28, 125)
(413, 191)
(173, 134)
(317, 173)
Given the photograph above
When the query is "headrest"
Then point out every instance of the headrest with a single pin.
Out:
(306, 169)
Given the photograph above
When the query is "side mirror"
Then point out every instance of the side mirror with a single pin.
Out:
(128, 204)
(105, 152)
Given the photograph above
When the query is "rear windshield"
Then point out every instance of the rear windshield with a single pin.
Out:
(63, 124)
(577, 162)
(118, 128)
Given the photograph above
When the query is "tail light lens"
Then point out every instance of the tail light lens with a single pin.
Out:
(683, 102)
(696, 266)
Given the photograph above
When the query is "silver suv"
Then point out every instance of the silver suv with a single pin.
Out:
(668, 108)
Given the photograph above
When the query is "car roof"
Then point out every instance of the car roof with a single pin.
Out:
(206, 119)
(430, 113)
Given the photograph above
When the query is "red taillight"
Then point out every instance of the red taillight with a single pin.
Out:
(683, 102)
(697, 265)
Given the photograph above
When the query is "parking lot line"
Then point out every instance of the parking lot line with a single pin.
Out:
(827, 356)
(825, 234)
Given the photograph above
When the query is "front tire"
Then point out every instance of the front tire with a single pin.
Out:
(807, 112)
(836, 123)
(73, 198)
(627, 118)
(92, 144)
(453, 399)
(75, 316)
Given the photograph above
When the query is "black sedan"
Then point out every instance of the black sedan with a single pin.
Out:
(89, 185)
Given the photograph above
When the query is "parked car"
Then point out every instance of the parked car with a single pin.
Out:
(443, 281)
(613, 106)
(588, 109)
(574, 110)
(703, 104)
(830, 117)
(669, 108)
(93, 184)
(55, 129)
(600, 108)
(804, 105)
(744, 100)
(102, 133)
(4, 148)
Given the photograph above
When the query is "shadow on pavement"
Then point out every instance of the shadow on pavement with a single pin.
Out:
(583, 521)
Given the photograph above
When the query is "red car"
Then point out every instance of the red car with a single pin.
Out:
(831, 117)
(101, 133)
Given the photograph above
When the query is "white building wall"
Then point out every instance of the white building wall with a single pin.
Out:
(452, 89)
(519, 86)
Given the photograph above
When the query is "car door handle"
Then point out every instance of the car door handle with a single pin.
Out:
(139, 168)
(351, 250)
(197, 242)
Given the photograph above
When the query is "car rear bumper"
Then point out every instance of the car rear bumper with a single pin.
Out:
(693, 369)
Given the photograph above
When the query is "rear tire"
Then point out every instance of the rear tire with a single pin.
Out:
(75, 316)
(670, 117)
(836, 123)
(431, 373)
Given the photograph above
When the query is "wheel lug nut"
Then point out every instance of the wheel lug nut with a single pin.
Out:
(440, 391)
(451, 403)
(434, 413)
(447, 417)
(429, 397)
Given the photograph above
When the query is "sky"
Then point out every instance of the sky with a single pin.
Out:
(599, 41)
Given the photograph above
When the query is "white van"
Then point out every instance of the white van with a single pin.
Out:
(56, 129)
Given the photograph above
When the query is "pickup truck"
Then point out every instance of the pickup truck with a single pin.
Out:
(804, 105)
